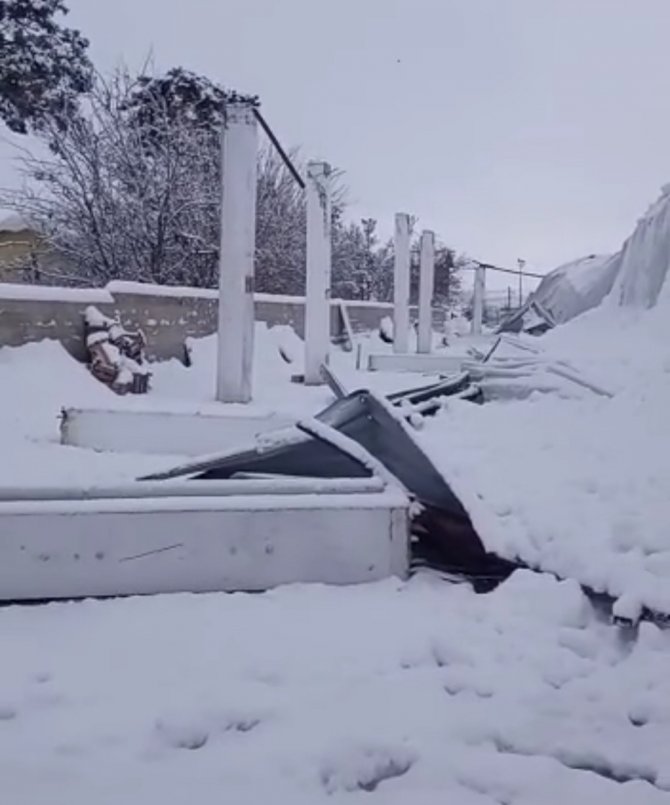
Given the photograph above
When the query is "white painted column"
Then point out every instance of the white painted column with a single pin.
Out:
(478, 300)
(401, 278)
(317, 291)
(426, 286)
(236, 256)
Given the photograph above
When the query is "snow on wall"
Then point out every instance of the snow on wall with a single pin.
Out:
(47, 293)
(148, 289)
(168, 315)
(182, 291)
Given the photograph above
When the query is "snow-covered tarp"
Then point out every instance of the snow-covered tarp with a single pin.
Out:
(644, 260)
(633, 276)
(564, 293)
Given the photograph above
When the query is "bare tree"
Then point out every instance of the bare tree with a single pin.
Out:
(280, 228)
(110, 207)
(118, 201)
(131, 189)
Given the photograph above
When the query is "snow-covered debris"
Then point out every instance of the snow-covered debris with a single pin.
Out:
(115, 356)
(581, 487)
(576, 487)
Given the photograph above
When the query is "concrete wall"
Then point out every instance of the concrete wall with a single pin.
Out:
(166, 315)
(31, 313)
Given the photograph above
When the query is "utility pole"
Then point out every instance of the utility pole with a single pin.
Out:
(522, 264)
(478, 300)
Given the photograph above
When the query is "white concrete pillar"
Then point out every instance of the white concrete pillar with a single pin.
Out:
(317, 292)
(478, 300)
(401, 277)
(236, 256)
(426, 287)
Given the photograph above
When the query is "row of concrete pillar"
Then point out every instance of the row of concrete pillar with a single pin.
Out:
(236, 309)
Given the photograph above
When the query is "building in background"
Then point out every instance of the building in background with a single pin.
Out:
(20, 248)
(26, 257)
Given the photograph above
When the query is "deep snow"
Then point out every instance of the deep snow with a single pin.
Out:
(393, 693)
(416, 692)
(397, 692)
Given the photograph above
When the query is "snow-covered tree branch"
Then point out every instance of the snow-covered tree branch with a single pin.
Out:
(131, 189)
(43, 66)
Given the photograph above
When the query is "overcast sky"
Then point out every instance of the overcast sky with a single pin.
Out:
(515, 128)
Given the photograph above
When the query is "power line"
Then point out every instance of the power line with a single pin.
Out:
(517, 272)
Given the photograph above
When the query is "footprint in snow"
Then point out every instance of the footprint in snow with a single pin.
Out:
(366, 770)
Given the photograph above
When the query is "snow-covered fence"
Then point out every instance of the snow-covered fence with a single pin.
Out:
(166, 314)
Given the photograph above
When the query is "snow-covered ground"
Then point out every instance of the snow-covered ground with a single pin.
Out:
(397, 692)
(392, 693)
(38, 380)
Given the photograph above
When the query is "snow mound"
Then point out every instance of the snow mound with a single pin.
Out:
(271, 372)
(36, 381)
(40, 379)
(581, 487)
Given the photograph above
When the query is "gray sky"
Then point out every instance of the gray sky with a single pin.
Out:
(515, 128)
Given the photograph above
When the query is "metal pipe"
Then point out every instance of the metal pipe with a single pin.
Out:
(285, 157)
